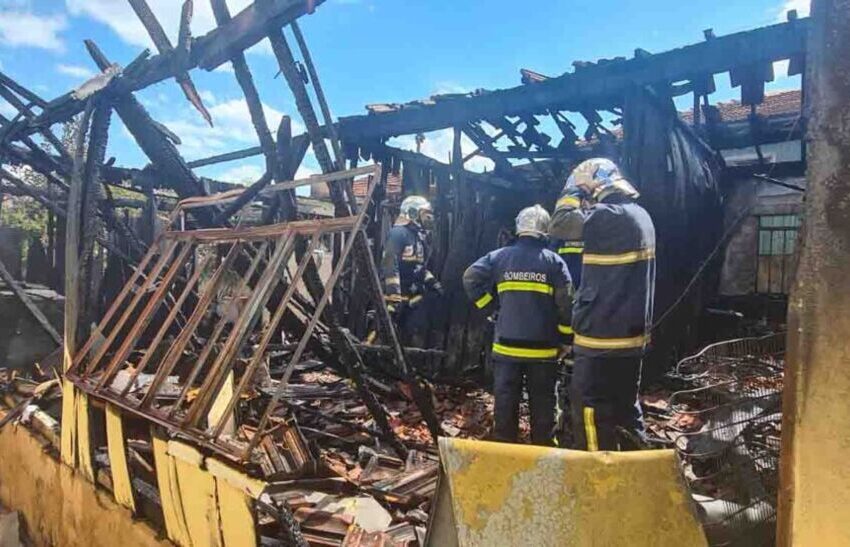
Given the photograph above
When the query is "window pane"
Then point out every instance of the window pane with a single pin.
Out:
(790, 240)
(777, 246)
(766, 221)
(764, 242)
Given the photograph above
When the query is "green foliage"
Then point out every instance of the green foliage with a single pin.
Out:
(24, 213)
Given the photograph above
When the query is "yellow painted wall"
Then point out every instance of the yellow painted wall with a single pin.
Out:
(59, 506)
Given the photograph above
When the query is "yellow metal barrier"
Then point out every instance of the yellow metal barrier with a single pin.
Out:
(508, 494)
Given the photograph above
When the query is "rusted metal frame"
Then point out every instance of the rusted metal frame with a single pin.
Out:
(224, 363)
(86, 385)
(302, 343)
(232, 195)
(145, 317)
(270, 330)
(255, 233)
(176, 350)
(217, 330)
(166, 325)
(320, 306)
(163, 45)
(244, 198)
(164, 256)
(421, 394)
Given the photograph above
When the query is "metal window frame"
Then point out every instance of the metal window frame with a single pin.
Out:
(95, 367)
(785, 267)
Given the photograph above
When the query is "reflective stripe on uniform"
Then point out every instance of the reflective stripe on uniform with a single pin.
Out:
(529, 286)
(618, 259)
(565, 329)
(568, 201)
(570, 250)
(527, 353)
(611, 343)
(394, 280)
(394, 298)
(411, 259)
(484, 300)
(590, 429)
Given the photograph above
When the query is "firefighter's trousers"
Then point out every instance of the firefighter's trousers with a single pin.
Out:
(539, 378)
(605, 411)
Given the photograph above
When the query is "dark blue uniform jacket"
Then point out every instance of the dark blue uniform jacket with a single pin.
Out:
(613, 308)
(533, 289)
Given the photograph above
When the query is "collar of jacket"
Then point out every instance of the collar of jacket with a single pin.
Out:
(530, 241)
(616, 198)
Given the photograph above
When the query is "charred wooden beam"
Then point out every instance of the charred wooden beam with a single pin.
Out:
(163, 45)
(382, 150)
(27, 114)
(156, 146)
(207, 52)
(485, 143)
(288, 68)
(344, 202)
(320, 94)
(599, 86)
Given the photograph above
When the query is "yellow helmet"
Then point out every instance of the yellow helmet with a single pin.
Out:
(599, 177)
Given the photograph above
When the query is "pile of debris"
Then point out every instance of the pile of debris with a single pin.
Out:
(721, 411)
(344, 485)
(326, 462)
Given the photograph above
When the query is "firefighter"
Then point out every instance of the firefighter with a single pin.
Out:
(613, 309)
(405, 275)
(531, 287)
(565, 232)
(566, 239)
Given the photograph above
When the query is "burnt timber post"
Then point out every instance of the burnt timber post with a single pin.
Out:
(815, 480)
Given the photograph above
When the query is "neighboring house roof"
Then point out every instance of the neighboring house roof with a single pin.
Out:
(393, 185)
(775, 104)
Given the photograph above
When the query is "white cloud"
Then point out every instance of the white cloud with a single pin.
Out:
(207, 96)
(448, 87)
(120, 17)
(802, 7)
(7, 109)
(233, 128)
(438, 145)
(75, 71)
(245, 173)
(23, 28)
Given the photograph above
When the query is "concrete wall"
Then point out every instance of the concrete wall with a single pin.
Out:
(752, 197)
(814, 494)
(59, 507)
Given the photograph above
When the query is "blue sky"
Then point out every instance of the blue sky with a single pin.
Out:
(366, 51)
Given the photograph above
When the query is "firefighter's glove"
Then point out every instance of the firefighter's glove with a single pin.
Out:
(437, 287)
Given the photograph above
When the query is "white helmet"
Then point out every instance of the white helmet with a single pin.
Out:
(598, 177)
(532, 221)
(412, 208)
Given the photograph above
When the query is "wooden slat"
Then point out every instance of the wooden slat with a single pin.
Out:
(122, 488)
